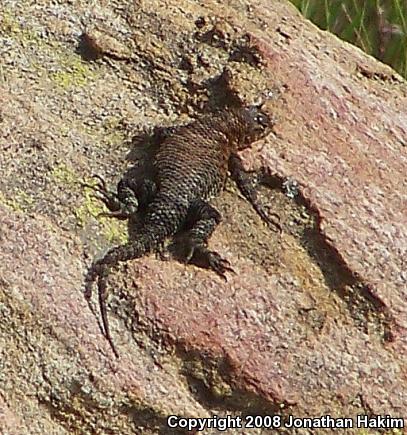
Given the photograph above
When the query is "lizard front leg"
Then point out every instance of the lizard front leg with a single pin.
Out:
(129, 196)
(248, 183)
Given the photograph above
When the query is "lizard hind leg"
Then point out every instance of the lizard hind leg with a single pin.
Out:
(202, 220)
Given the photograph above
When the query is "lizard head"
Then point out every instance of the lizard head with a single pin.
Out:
(254, 124)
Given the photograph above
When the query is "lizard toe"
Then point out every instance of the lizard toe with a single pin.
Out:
(219, 265)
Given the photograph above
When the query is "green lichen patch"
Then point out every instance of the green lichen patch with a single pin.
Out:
(88, 207)
(9, 25)
(91, 208)
(63, 174)
(73, 73)
(19, 202)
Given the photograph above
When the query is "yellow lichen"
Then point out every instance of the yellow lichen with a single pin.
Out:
(72, 73)
(115, 137)
(11, 26)
(19, 202)
(112, 122)
(72, 70)
(64, 174)
(90, 207)
(112, 229)
(114, 232)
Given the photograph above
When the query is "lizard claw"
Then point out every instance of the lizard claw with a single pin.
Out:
(203, 257)
(219, 265)
(162, 253)
(273, 222)
(101, 185)
(119, 214)
(102, 193)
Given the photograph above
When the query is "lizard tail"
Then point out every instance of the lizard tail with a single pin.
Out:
(100, 271)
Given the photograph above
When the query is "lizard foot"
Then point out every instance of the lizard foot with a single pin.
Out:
(109, 198)
(218, 264)
(207, 259)
(119, 208)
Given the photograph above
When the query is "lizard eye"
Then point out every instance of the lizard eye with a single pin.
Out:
(261, 119)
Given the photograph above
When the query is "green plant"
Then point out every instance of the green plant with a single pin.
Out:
(379, 27)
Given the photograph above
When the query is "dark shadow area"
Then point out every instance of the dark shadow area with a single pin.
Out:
(368, 312)
(88, 48)
(217, 91)
(148, 418)
(205, 376)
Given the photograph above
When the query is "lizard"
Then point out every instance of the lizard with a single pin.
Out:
(189, 168)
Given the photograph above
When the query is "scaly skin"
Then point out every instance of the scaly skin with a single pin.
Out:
(189, 168)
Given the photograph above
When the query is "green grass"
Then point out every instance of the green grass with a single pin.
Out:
(379, 27)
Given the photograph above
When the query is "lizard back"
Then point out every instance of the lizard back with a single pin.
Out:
(193, 162)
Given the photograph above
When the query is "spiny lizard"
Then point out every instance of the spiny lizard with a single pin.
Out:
(189, 168)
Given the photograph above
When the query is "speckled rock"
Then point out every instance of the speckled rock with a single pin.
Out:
(314, 320)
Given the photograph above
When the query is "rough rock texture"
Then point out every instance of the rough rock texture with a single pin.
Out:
(314, 322)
